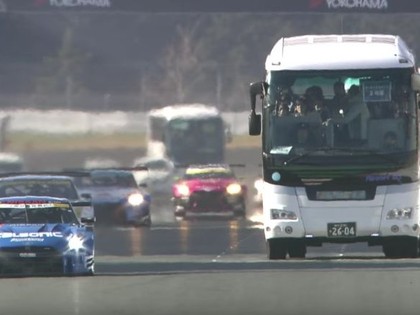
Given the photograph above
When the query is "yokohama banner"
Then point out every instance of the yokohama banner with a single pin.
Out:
(186, 6)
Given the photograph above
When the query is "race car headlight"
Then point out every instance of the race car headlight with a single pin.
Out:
(135, 199)
(399, 213)
(183, 190)
(75, 242)
(280, 214)
(234, 189)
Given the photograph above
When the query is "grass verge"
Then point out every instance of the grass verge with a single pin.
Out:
(22, 141)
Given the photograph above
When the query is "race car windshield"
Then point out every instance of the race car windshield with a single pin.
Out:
(204, 174)
(53, 188)
(37, 214)
(106, 179)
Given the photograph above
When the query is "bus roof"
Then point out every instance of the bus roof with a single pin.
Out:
(185, 111)
(10, 157)
(339, 52)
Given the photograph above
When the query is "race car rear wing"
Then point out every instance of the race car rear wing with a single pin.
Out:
(81, 203)
(232, 165)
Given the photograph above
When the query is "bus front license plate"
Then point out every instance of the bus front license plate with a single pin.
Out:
(341, 229)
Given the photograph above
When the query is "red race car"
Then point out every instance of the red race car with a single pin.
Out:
(209, 191)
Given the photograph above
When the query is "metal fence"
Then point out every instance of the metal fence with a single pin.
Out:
(83, 122)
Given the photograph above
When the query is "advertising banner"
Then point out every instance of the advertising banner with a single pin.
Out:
(186, 6)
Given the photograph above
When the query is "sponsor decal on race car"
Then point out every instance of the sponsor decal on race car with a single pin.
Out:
(34, 205)
(208, 170)
(30, 234)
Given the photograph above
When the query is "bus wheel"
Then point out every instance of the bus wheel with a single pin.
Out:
(411, 248)
(147, 222)
(297, 248)
(276, 249)
(401, 248)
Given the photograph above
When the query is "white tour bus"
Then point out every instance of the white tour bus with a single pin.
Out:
(339, 129)
(186, 134)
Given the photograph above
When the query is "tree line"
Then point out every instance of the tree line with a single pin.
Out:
(142, 61)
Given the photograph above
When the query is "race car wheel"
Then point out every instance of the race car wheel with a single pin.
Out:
(147, 222)
(241, 212)
(179, 211)
(276, 249)
(68, 267)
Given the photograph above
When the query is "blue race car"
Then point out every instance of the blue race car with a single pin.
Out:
(53, 184)
(116, 197)
(42, 235)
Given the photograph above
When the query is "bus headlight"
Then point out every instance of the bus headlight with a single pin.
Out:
(234, 189)
(399, 214)
(135, 199)
(280, 214)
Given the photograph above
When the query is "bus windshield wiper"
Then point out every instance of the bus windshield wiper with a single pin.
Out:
(342, 149)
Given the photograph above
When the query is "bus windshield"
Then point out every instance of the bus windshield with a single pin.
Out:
(198, 140)
(353, 111)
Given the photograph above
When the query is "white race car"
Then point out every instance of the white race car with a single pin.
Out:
(159, 174)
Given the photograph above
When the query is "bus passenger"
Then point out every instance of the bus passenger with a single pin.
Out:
(339, 102)
(357, 115)
(316, 100)
(303, 109)
(283, 105)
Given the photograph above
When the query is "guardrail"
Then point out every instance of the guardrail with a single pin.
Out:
(70, 122)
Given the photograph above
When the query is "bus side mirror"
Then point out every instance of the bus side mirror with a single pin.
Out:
(254, 124)
(256, 88)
